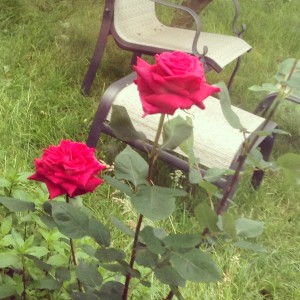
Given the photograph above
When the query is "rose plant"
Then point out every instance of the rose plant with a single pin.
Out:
(35, 260)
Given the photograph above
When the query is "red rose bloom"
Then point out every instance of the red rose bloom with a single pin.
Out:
(69, 168)
(176, 81)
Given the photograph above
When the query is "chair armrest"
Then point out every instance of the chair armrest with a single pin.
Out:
(239, 33)
(197, 23)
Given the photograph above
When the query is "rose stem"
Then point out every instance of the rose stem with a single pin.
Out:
(73, 250)
(152, 158)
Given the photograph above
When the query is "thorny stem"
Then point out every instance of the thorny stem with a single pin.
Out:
(247, 147)
(152, 159)
(73, 253)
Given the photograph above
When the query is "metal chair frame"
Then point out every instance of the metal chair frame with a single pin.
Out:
(100, 125)
(107, 28)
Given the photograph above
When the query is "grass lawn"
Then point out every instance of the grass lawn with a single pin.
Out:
(45, 48)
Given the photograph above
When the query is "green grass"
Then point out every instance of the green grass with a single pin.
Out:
(44, 51)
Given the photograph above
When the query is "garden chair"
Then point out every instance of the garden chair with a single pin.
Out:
(135, 27)
(216, 143)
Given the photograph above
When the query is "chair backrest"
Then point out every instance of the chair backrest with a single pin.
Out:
(129, 13)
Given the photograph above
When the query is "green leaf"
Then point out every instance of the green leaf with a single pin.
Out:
(294, 81)
(129, 165)
(269, 132)
(228, 224)
(168, 275)
(111, 290)
(248, 228)
(4, 183)
(182, 240)
(37, 251)
(99, 232)
(290, 164)
(84, 296)
(210, 188)
(268, 87)
(195, 265)
(49, 283)
(39, 263)
(109, 255)
(250, 246)
(284, 69)
(16, 205)
(255, 159)
(256, 88)
(10, 260)
(7, 290)
(121, 226)
(88, 274)
(231, 117)
(69, 220)
(206, 216)
(214, 174)
(175, 131)
(63, 273)
(57, 260)
(187, 146)
(117, 184)
(6, 225)
(122, 126)
(146, 258)
(153, 243)
(154, 202)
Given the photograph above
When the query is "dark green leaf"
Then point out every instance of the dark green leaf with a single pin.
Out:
(121, 226)
(168, 275)
(7, 290)
(206, 216)
(49, 283)
(39, 263)
(63, 273)
(248, 228)
(88, 274)
(153, 243)
(290, 164)
(195, 265)
(48, 221)
(70, 221)
(285, 68)
(16, 205)
(109, 255)
(250, 246)
(210, 188)
(294, 81)
(99, 232)
(255, 159)
(84, 296)
(117, 184)
(122, 126)
(182, 240)
(47, 207)
(231, 117)
(228, 224)
(175, 131)
(129, 165)
(154, 202)
(268, 87)
(146, 258)
(111, 290)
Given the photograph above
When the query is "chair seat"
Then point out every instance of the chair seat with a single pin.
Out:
(216, 143)
(146, 30)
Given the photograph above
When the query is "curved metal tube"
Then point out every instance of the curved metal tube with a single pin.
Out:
(197, 22)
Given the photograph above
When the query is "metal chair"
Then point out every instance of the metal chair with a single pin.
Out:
(135, 27)
(216, 143)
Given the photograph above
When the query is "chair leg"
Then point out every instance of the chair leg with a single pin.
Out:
(98, 52)
(266, 149)
(134, 57)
